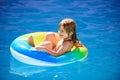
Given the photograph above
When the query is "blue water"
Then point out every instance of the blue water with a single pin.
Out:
(98, 26)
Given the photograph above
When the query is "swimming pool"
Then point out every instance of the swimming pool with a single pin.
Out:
(98, 26)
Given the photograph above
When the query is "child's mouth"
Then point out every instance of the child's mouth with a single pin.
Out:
(61, 35)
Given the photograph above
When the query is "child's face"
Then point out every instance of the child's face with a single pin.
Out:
(62, 33)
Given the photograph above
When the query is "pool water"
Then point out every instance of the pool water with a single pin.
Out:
(98, 26)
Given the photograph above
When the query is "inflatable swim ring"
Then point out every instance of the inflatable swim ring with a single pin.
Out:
(21, 50)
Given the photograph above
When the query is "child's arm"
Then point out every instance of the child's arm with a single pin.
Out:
(60, 51)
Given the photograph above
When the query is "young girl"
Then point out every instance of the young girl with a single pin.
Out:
(57, 44)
